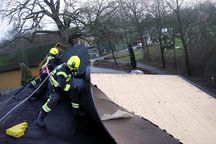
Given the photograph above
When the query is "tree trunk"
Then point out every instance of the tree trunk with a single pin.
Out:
(143, 47)
(159, 30)
(112, 47)
(174, 54)
(132, 56)
(99, 50)
(147, 50)
(185, 46)
(162, 52)
(182, 34)
(188, 69)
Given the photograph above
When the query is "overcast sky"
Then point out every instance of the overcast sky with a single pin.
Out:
(4, 26)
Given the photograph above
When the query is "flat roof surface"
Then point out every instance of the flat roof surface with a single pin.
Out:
(183, 110)
(128, 130)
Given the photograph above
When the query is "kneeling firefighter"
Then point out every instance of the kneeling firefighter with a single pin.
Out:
(60, 84)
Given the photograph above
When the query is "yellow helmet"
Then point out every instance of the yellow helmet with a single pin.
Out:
(73, 63)
(54, 51)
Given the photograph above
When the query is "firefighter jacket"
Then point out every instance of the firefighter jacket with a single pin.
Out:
(51, 62)
(61, 77)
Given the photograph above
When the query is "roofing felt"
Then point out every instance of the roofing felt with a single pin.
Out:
(172, 103)
(132, 130)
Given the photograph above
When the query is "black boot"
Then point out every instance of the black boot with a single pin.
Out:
(40, 119)
(33, 98)
(78, 112)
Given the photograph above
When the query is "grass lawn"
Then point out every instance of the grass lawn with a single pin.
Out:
(126, 58)
(178, 43)
(155, 56)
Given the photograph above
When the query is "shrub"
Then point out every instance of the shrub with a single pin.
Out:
(26, 74)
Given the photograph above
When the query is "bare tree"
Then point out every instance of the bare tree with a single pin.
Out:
(100, 23)
(203, 45)
(29, 15)
(134, 11)
(128, 32)
(110, 37)
(66, 18)
(185, 20)
(157, 8)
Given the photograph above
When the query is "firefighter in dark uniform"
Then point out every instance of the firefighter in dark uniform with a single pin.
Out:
(60, 84)
(50, 62)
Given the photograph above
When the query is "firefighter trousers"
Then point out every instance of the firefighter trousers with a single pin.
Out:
(55, 95)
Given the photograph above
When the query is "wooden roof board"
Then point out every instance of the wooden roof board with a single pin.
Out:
(183, 110)
(130, 130)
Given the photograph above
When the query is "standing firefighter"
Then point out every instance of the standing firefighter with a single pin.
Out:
(50, 62)
(60, 84)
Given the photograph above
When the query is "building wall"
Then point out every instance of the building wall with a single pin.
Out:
(12, 79)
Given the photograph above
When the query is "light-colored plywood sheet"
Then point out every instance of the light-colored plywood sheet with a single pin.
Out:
(183, 110)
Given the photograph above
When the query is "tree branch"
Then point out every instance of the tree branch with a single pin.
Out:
(47, 31)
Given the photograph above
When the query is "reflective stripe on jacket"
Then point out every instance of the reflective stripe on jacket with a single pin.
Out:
(61, 77)
(49, 57)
